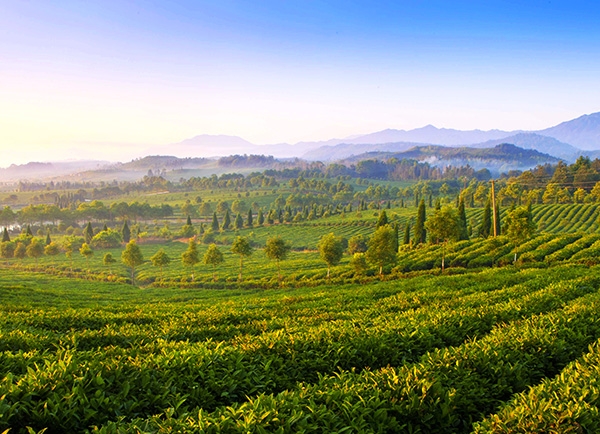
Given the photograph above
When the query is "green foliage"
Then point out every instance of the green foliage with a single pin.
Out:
(357, 244)
(51, 249)
(5, 236)
(190, 257)
(331, 250)
(420, 231)
(241, 246)
(132, 257)
(382, 248)
(7, 250)
(160, 259)
(277, 249)
(126, 232)
(88, 233)
(214, 257)
(107, 239)
(35, 249)
(519, 226)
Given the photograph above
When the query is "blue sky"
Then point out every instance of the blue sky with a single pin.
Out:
(147, 73)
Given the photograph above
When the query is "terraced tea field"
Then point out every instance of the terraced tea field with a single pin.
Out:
(451, 353)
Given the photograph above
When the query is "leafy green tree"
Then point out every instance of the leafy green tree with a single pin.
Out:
(108, 261)
(20, 250)
(187, 231)
(88, 233)
(205, 209)
(132, 257)
(382, 250)
(277, 249)
(519, 226)
(35, 249)
(420, 231)
(87, 252)
(126, 232)
(241, 246)
(28, 231)
(331, 249)
(382, 220)
(5, 236)
(160, 259)
(359, 263)
(214, 257)
(443, 226)
(107, 239)
(48, 239)
(215, 223)
(7, 250)
(485, 229)
(51, 249)
(190, 257)
(357, 244)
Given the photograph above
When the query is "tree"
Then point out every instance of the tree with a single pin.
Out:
(241, 246)
(485, 229)
(107, 239)
(331, 249)
(226, 221)
(519, 226)
(7, 250)
(357, 244)
(249, 219)
(126, 232)
(51, 249)
(382, 220)
(88, 233)
(463, 231)
(160, 259)
(5, 236)
(277, 249)
(261, 218)
(238, 223)
(382, 249)
(406, 240)
(420, 231)
(215, 223)
(190, 257)
(20, 250)
(443, 225)
(48, 239)
(498, 224)
(35, 249)
(214, 257)
(108, 260)
(132, 257)
(87, 252)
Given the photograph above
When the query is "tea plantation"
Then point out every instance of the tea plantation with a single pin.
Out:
(485, 350)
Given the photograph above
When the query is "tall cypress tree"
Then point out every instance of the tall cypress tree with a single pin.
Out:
(226, 221)
(28, 231)
(239, 221)
(498, 225)
(215, 223)
(89, 233)
(420, 232)
(486, 222)
(48, 239)
(382, 220)
(261, 217)
(249, 220)
(126, 232)
(463, 231)
(5, 236)
(407, 234)
(396, 236)
(189, 221)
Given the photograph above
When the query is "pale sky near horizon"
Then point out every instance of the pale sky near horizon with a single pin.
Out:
(109, 79)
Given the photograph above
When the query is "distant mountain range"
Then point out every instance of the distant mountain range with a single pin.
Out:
(567, 140)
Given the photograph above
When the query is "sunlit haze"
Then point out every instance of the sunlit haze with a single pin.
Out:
(113, 79)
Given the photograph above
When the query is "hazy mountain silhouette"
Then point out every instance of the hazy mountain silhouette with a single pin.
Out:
(583, 132)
